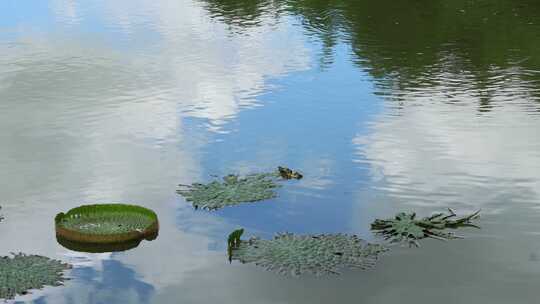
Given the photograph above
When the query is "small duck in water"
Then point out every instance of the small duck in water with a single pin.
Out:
(287, 173)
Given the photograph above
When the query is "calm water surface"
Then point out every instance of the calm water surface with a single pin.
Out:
(395, 106)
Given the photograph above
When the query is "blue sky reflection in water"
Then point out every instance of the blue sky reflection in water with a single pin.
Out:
(383, 107)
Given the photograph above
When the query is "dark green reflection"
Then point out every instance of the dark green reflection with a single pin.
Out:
(242, 13)
(477, 47)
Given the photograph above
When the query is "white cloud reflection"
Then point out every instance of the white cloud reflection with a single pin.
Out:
(435, 154)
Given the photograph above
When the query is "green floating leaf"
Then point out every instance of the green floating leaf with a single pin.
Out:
(20, 273)
(235, 190)
(320, 254)
(406, 228)
(107, 224)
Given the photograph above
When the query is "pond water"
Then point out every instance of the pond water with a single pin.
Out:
(384, 106)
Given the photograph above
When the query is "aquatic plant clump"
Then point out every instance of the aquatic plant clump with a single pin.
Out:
(406, 228)
(235, 189)
(308, 254)
(233, 241)
(20, 273)
(107, 223)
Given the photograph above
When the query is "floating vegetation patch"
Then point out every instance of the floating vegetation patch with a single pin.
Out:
(115, 225)
(1, 217)
(20, 273)
(235, 189)
(320, 254)
(406, 228)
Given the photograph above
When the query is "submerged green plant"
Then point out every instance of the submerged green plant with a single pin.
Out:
(320, 254)
(406, 228)
(1, 217)
(234, 189)
(20, 273)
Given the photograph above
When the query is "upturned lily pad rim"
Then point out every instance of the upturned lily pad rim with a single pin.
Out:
(64, 232)
(100, 247)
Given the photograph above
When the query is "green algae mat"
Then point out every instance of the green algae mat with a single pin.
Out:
(295, 255)
(234, 189)
(21, 273)
(406, 228)
(106, 224)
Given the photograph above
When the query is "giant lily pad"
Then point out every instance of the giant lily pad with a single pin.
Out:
(235, 189)
(20, 273)
(406, 228)
(293, 254)
(106, 226)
